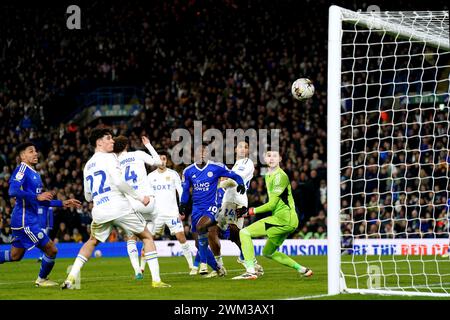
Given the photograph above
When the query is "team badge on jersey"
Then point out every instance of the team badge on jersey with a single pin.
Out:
(19, 176)
(210, 174)
(40, 235)
(168, 178)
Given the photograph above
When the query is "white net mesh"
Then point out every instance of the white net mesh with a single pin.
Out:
(395, 151)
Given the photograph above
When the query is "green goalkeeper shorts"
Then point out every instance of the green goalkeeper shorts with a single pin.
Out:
(272, 227)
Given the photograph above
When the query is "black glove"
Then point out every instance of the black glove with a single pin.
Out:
(241, 189)
(240, 212)
(183, 209)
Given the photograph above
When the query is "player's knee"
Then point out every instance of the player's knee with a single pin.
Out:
(146, 235)
(181, 237)
(53, 251)
(91, 242)
(16, 256)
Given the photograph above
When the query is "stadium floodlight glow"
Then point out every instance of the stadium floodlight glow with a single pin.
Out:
(388, 152)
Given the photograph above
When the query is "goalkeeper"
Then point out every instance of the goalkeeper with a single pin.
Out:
(277, 227)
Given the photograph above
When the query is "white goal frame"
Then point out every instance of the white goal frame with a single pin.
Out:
(376, 20)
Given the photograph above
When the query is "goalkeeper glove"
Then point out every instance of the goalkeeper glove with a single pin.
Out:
(244, 211)
(241, 212)
(241, 189)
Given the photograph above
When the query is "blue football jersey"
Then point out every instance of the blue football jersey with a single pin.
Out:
(204, 183)
(25, 185)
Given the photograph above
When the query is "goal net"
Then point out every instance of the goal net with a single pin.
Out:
(388, 155)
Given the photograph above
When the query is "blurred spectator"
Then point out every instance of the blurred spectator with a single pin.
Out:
(76, 236)
(5, 235)
(62, 233)
(320, 233)
(304, 233)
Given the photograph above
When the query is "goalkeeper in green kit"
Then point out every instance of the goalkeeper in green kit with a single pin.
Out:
(277, 227)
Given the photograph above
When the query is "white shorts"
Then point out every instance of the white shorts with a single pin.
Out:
(132, 223)
(157, 226)
(227, 215)
(146, 211)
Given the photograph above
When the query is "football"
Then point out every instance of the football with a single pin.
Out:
(302, 89)
(97, 253)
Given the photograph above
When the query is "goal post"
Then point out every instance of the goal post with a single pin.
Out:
(388, 152)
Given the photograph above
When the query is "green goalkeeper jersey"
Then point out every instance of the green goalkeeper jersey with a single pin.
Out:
(281, 203)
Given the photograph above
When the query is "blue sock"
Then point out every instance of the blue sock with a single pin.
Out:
(242, 256)
(5, 256)
(46, 266)
(211, 260)
(197, 260)
(203, 247)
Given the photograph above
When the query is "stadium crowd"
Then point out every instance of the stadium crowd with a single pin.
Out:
(227, 64)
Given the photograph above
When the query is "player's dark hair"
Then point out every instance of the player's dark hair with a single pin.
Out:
(21, 147)
(98, 133)
(162, 152)
(120, 143)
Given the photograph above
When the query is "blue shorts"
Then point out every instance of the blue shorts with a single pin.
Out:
(197, 213)
(29, 237)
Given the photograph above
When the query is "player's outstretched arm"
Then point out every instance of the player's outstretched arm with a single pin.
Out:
(72, 203)
(155, 159)
(227, 183)
(280, 183)
(224, 172)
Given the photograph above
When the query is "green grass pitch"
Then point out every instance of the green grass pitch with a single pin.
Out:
(113, 278)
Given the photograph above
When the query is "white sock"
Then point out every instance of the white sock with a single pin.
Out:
(219, 261)
(77, 265)
(134, 256)
(152, 260)
(187, 254)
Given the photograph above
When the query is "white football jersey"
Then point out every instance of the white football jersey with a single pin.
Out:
(244, 168)
(102, 178)
(165, 187)
(132, 165)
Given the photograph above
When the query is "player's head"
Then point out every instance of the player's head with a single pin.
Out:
(164, 156)
(242, 150)
(101, 139)
(27, 153)
(120, 144)
(201, 153)
(272, 158)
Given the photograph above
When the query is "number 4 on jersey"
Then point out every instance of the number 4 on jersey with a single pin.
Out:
(130, 175)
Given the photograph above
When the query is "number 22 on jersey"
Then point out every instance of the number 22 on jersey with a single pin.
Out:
(101, 187)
